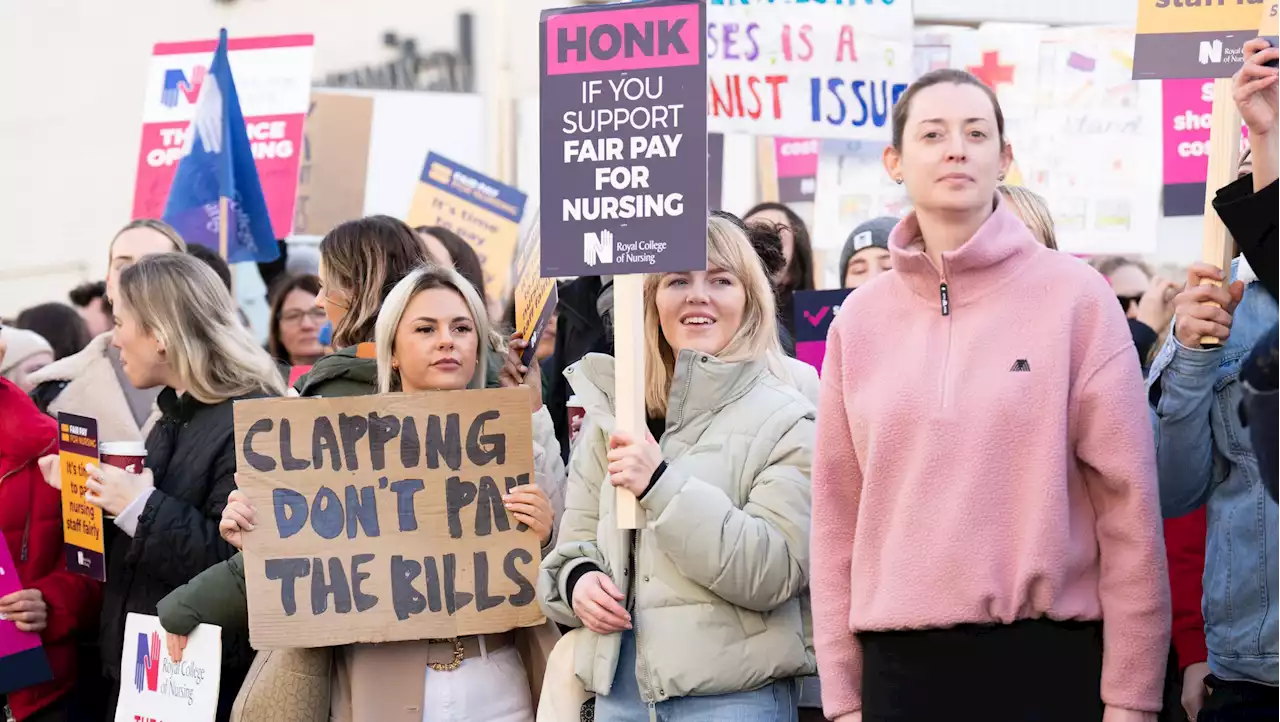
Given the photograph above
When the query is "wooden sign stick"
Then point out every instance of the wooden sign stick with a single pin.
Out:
(628, 354)
(1224, 155)
(767, 168)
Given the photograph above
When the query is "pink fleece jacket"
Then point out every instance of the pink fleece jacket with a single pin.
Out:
(986, 462)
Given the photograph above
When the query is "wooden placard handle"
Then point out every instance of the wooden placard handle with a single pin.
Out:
(629, 359)
(767, 169)
(1224, 155)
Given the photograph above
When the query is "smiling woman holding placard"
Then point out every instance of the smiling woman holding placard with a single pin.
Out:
(701, 609)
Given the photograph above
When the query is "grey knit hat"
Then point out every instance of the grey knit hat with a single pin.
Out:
(870, 234)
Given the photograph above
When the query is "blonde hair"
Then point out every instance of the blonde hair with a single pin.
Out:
(398, 300)
(1034, 213)
(728, 249)
(153, 224)
(183, 303)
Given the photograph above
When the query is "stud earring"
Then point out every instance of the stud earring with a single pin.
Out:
(1000, 177)
(898, 181)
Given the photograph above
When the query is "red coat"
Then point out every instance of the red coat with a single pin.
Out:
(1184, 541)
(31, 521)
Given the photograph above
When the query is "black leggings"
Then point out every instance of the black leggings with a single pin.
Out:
(1029, 671)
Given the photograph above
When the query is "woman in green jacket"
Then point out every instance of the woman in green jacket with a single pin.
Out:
(700, 614)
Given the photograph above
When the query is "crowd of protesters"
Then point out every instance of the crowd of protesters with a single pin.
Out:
(1025, 487)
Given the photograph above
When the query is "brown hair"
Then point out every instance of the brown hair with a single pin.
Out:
(305, 282)
(1107, 265)
(366, 258)
(937, 77)
(465, 259)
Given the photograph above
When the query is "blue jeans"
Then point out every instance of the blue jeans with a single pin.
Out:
(775, 702)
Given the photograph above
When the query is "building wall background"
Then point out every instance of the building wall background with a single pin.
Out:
(72, 95)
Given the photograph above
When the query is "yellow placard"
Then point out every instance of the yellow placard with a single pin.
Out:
(1174, 16)
(81, 521)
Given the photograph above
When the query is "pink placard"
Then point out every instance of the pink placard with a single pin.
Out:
(597, 42)
(1187, 109)
(11, 640)
(796, 157)
(276, 141)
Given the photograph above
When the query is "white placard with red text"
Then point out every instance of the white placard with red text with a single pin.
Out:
(154, 688)
(273, 80)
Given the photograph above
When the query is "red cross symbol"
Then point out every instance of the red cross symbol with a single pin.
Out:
(991, 71)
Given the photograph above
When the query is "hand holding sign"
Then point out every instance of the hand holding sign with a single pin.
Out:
(1196, 318)
(237, 518)
(515, 374)
(26, 609)
(632, 463)
(531, 507)
(1255, 89)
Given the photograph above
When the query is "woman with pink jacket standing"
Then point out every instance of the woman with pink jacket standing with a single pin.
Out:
(986, 538)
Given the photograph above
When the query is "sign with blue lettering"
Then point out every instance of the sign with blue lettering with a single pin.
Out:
(829, 69)
(624, 138)
(381, 518)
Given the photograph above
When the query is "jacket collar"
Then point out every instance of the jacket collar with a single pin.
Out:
(701, 384)
(183, 408)
(75, 365)
(996, 251)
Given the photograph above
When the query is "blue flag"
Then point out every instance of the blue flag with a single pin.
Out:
(217, 163)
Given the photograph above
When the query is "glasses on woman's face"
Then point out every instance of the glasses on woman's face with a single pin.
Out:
(294, 317)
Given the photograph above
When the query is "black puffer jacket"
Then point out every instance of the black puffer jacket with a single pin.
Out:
(191, 454)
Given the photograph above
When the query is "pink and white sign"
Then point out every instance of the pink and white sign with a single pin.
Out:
(797, 161)
(1186, 112)
(273, 80)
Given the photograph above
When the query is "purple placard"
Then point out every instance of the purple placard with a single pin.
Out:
(624, 138)
(22, 660)
(814, 311)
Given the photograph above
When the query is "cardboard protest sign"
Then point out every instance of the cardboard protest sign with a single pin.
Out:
(1187, 39)
(81, 521)
(624, 138)
(815, 310)
(485, 212)
(814, 70)
(380, 518)
(161, 689)
(536, 297)
(273, 80)
(22, 659)
(335, 158)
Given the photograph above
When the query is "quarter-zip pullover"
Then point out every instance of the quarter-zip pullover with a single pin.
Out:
(984, 455)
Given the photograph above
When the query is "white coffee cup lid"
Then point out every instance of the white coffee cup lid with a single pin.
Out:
(123, 448)
(573, 401)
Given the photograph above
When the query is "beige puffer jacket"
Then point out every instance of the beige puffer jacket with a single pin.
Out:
(723, 559)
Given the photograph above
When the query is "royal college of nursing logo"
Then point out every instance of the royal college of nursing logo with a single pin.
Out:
(146, 668)
(597, 248)
(178, 86)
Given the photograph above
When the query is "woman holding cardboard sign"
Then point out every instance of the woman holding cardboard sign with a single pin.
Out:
(699, 615)
(432, 334)
(177, 328)
(984, 487)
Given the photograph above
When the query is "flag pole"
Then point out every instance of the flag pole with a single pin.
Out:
(222, 227)
(223, 212)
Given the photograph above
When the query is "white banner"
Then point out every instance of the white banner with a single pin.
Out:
(811, 70)
(154, 687)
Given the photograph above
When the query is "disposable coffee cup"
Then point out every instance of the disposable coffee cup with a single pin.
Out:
(128, 455)
(576, 411)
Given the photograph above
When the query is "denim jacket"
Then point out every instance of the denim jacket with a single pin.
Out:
(1199, 391)
(1260, 376)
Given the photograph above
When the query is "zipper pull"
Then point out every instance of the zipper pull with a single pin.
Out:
(946, 299)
